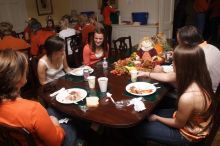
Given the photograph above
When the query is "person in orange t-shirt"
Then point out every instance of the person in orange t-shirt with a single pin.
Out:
(97, 49)
(38, 37)
(201, 7)
(106, 10)
(19, 112)
(9, 41)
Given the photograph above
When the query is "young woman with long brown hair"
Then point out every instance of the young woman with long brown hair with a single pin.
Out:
(192, 120)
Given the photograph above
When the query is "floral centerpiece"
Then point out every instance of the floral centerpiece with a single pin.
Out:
(150, 52)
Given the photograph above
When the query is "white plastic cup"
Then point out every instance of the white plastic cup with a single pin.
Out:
(133, 75)
(91, 81)
(103, 83)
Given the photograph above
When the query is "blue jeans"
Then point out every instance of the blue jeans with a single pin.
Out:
(200, 21)
(159, 132)
(70, 132)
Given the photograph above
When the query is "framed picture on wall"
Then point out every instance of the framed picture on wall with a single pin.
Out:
(44, 7)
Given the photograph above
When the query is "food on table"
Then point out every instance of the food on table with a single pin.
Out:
(128, 64)
(136, 90)
(73, 95)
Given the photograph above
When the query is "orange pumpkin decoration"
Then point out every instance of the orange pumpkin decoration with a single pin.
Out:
(158, 48)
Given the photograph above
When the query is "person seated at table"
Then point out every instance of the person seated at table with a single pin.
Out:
(31, 115)
(190, 36)
(50, 26)
(9, 41)
(89, 27)
(38, 37)
(82, 19)
(66, 31)
(97, 49)
(52, 64)
(184, 126)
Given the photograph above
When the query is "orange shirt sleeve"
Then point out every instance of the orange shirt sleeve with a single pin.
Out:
(50, 134)
(86, 55)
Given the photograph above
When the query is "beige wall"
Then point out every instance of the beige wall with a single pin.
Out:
(60, 8)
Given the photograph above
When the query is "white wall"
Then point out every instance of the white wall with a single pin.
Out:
(126, 7)
(13, 11)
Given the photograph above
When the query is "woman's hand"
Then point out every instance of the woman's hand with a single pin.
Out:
(142, 73)
(54, 120)
(153, 117)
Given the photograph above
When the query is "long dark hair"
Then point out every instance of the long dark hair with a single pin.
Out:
(189, 35)
(53, 44)
(99, 30)
(191, 67)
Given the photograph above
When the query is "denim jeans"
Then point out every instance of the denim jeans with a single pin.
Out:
(70, 132)
(159, 132)
(200, 21)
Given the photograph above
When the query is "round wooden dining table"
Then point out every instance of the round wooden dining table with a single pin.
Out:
(106, 113)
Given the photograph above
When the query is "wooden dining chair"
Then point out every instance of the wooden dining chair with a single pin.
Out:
(75, 42)
(15, 136)
(122, 47)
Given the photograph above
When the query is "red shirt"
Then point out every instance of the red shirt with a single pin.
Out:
(39, 39)
(13, 43)
(106, 14)
(89, 56)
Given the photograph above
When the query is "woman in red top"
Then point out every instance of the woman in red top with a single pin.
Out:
(106, 10)
(97, 49)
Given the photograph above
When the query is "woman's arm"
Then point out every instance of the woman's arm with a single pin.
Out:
(185, 109)
(86, 55)
(41, 71)
(65, 65)
(46, 128)
(163, 77)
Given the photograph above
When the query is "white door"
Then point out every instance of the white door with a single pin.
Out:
(166, 12)
(14, 11)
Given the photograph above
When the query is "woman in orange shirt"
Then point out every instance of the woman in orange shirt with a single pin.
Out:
(19, 112)
(97, 49)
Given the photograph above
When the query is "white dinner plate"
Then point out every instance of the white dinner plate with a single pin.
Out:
(61, 97)
(79, 71)
(167, 68)
(143, 88)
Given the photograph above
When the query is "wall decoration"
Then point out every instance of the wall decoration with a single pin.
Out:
(44, 7)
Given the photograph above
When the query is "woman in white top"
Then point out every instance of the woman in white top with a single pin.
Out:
(52, 65)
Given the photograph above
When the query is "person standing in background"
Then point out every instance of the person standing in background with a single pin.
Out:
(201, 7)
(214, 22)
(106, 10)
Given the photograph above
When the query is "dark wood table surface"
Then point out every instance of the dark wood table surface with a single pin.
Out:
(106, 113)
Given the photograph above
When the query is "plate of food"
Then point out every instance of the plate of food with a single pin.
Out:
(79, 71)
(140, 88)
(167, 68)
(72, 95)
